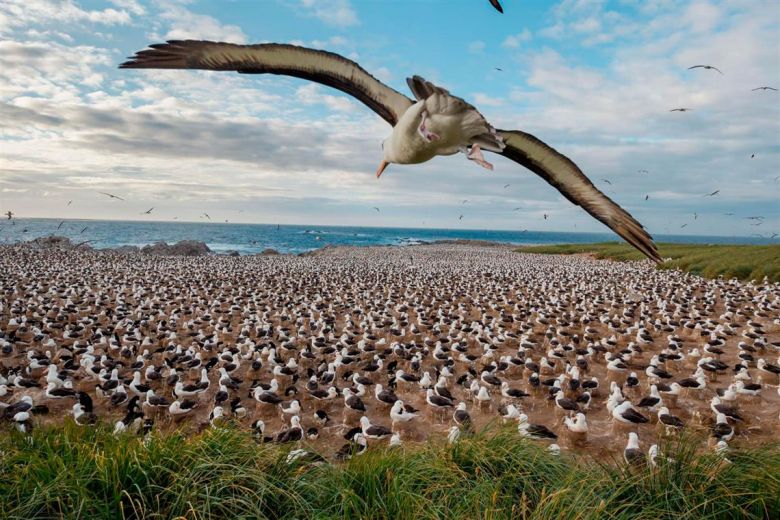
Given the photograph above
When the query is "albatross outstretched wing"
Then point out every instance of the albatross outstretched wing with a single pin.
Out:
(566, 177)
(273, 58)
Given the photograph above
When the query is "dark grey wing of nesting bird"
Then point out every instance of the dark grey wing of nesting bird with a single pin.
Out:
(319, 66)
(566, 177)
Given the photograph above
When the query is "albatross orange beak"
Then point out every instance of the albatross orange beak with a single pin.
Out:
(382, 166)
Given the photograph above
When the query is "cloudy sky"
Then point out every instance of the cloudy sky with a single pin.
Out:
(593, 78)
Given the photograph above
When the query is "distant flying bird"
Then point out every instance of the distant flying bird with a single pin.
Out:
(713, 193)
(765, 88)
(377, 209)
(729, 214)
(70, 202)
(680, 109)
(207, 216)
(517, 208)
(684, 225)
(84, 229)
(506, 186)
(460, 217)
(499, 69)
(755, 218)
(695, 216)
(643, 171)
(434, 123)
(61, 223)
(607, 181)
(464, 201)
(773, 235)
(110, 195)
(706, 67)
(82, 243)
(545, 216)
(647, 197)
(148, 211)
(10, 214)
(752, 156)
(498, 7)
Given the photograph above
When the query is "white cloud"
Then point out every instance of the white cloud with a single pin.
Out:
(513, 41)
(481, 99)
(338, 13)
(23, 13)
(476, 47)
(185, 24)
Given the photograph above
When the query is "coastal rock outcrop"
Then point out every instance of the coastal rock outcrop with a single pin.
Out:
(57, 242)
(182, 248)
(269, 252)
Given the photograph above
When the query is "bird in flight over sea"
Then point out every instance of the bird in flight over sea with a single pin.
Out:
(773, 235)
(752, 156)
(647, 197)
(498, 7)
(695, 216)
(464, 201)
(9, 214)
(765, 88)
(434, 123)
(607, 181)
(148, 211)
(545, 216)
(683, 226)
(643, 171)
(499, 69)
(460, 217)
(207, 216)
(83, 229)
(713, 193)
(70, 202)
(517, 208)
(111, 196)
(755, 218)
(729, 214)
(682, 109)
(506, 186)
(61, 223)
(706, 67)
(377, 209)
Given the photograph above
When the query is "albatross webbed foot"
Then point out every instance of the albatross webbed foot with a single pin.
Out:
(476, 155)
(423, 130)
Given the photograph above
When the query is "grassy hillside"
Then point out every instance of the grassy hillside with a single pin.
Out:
(73, 472)
(711, 261)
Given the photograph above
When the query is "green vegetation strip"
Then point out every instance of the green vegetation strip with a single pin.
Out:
(74, 472)
(710, 261)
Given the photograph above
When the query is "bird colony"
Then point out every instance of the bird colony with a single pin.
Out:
(355, 347)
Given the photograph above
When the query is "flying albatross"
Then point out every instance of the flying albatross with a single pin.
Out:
(435, 123)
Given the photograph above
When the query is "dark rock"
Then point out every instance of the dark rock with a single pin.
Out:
(127, 250)
(182, 248)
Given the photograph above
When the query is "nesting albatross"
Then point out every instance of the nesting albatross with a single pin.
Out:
(435, 123)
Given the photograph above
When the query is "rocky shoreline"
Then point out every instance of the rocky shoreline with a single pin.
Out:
(199, 248)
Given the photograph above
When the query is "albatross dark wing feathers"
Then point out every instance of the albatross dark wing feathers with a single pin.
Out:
(322, 67)
(566, 177)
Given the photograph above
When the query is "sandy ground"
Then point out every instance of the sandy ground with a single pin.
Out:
(363, 302)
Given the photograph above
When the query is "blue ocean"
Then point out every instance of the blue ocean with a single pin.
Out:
(253, 238)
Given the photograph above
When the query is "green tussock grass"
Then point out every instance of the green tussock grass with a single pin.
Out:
(73, 472)
(744, 262)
